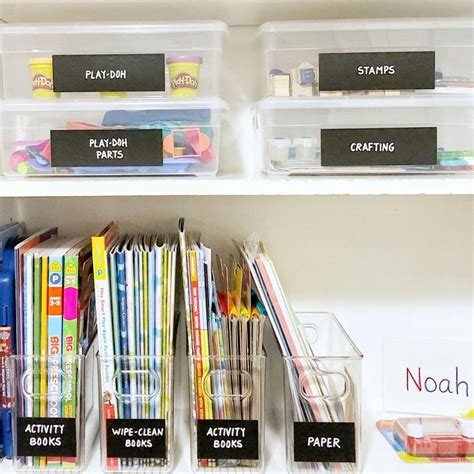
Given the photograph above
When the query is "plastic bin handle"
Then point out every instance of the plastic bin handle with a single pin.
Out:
(314, 378)
(314, 330)
(27, 379)
(231, 374)
(138, 373)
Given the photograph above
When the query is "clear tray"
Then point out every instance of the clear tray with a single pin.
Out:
(371, 135)
(28, 49)
(291, 56)
(124, 137)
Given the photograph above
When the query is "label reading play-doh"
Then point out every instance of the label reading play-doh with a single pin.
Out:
(227, 439)
(379, 146)
(377, 71)
(105, 148)
(46, 437)
(109, 72)
(140, 438)
(324, 442)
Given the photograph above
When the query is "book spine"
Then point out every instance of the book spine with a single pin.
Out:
(44, 346)
(70, 342)
(104, 330)
(36, 340)
(55, 326)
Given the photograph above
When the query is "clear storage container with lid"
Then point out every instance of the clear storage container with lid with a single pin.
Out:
(112, 60)
(125, 137)
(352, 135)
(370, 56)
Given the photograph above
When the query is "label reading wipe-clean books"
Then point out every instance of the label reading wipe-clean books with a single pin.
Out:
(109, 73)
(379, 146)
(46, 437)
(324, 442)
(227, 439)
(93, 148)
(141, 438)
(376, 71)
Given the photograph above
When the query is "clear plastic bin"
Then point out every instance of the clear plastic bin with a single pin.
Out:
(310, 58)
(323, 399)
(227, 413)
(162, 137)
(54, 417)
(188, 53)
(137, 414)
(388, 135)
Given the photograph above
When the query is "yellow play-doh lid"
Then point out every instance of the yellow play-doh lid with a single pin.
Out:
(33, 61)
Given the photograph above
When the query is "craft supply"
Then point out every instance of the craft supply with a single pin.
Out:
(42, 78)
(430, 439)
(184, 75)
(280, 83)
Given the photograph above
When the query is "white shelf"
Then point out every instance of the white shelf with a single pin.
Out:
(255, 12)
(379, 459)
(235, 184)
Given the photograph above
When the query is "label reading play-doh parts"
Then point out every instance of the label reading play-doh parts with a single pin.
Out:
(184, 75)
(42, 78)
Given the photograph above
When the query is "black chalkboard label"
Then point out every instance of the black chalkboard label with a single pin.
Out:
(324, 442)
(140, 438)
(376, 71)
(379, 146)
(109, 73)
(46, 437)
(227, 439)
(105, 148)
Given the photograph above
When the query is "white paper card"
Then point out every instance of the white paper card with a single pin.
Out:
(428, 377)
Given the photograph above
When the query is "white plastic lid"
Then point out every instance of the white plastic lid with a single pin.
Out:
(415, 430)
(467, 428)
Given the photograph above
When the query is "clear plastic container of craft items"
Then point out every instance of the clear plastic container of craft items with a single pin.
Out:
(367, 56)
(435, 437)
(323, 399)
(54, 418)
(137, 411)
(391, 135)
(227, 413)
(112, 60)
(163, 137)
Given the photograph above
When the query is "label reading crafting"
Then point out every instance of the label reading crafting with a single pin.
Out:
(93, 148)
(376, 71)
(379, 146)
(324, 442)
(46, 437)
(109, 73)
(227, 439)
(141, 438)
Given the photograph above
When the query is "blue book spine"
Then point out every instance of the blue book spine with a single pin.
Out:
(122, 306)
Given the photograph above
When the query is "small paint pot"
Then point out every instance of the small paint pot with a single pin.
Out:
(184, 75)
(42, 78)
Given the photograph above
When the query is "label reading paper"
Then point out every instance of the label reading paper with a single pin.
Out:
(109, 73)
(379, 146)
(324, 442)
(46, 437)
(141, 438)
(105, 148)
(377, 71)
(227, 439)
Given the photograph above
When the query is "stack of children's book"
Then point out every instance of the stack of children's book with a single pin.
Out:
(135, 293)
(225, 321)
(55, 322)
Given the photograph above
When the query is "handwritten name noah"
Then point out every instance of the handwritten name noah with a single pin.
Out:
(418, 382)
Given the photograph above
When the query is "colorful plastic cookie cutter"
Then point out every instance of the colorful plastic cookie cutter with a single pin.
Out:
(186, 143)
